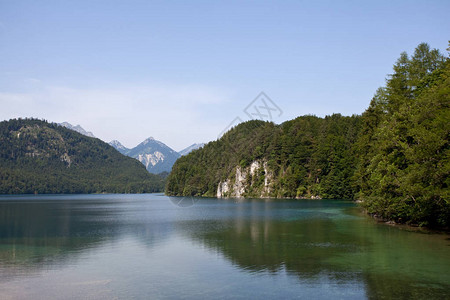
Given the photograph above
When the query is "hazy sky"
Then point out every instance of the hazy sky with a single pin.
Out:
(182, 71)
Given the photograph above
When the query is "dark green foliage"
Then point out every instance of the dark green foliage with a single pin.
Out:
(40, 157)
(403, 173)
(395, 158)
(308, 156)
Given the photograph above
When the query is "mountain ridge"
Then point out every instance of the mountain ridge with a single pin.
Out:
(156, 156)
(119, 147)
(191, 148)
(41, 157)
(78, 129)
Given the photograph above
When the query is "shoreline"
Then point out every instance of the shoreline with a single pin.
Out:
(408, 227)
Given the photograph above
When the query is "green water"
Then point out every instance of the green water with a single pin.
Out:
(155, 247)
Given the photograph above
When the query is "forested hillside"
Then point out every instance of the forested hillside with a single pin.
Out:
(394, 157)
(41, 157)
(305, 157)
(404, 157)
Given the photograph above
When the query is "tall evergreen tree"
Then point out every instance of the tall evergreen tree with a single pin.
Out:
(406, 148)
(394, 158)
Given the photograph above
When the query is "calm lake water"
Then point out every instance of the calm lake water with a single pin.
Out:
(154, 247)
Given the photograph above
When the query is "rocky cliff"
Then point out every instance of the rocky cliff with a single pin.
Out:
(254, 179)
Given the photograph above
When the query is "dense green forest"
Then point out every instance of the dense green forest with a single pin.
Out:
(308, 156)
(41, 157)
(394, 157)
(403, 149)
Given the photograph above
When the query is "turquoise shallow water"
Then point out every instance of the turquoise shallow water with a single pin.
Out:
(154, 247)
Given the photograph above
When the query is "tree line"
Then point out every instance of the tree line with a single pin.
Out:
(394, 157)
(41, 157)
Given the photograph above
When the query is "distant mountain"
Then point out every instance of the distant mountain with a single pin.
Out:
(119, 147)
(77, 128)
(41, 157)
(191, 148)
(155, 155)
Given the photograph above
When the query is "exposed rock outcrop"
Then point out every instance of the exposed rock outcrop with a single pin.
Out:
(252, 180)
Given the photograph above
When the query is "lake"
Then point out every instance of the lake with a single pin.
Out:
(151, 246)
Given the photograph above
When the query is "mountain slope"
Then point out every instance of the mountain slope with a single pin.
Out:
(394, 158)
(119, 147)
(154, 155)
(77, 128)
(191, 148)
(41, 157)
(308, 157)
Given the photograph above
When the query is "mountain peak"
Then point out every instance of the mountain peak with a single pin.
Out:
(148, 140)
(155, 155)
(77, 128)
(115, 142)
(191, 148)
(119, 147)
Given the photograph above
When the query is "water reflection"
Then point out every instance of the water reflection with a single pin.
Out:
(318, 243)
(320, 239)
(258, 238)
(54, 231)
(187, 201)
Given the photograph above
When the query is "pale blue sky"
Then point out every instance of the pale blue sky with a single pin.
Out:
(181, 71)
